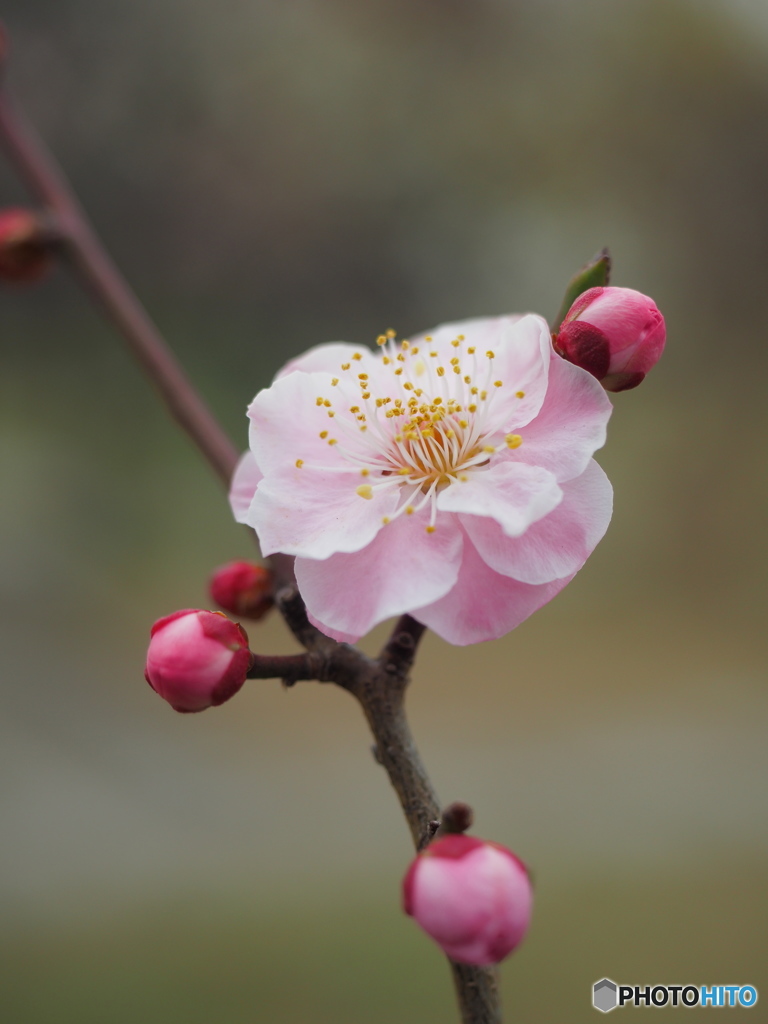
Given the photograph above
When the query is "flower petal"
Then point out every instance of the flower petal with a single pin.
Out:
(513, 494)
(314, 513)
(482, 331)
(483, 605)
(555, 546)
(327, 358)
(402, 568)
(335, 634)
(289, 419)
(521, 362)
(521, 348)
(571, 424)
(245, 479)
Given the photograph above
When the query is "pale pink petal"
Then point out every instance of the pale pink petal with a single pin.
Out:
(334, 634)
(482, 332)
(287, 422)
(513, 494)
(403, 567)
(521, 363)
(328, 358)
(520, 347)
(483, 605)
(571, 424)
(313, 513)
(555, 546)
(244, 482)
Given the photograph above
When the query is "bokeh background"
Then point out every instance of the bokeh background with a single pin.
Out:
(271, 175)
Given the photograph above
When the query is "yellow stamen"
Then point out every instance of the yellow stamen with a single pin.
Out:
(365, 491)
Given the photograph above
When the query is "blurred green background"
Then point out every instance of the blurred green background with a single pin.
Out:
(272, 175)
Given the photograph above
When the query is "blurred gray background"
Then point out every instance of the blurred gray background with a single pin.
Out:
(272, 175)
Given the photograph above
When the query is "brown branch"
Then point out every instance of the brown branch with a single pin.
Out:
(109, 288)
(291, 668)
(292, 608)
(398, 655)
(382, 697)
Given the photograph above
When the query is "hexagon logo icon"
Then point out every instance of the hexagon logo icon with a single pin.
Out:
(604, 996)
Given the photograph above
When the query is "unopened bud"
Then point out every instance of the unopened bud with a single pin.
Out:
(242, 588)
(474, 898)
(197, 659)
(25, 246)
(617, 334)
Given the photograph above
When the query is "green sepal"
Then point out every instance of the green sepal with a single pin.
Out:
(595, 274)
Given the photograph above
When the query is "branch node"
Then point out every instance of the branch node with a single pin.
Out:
(457, 818)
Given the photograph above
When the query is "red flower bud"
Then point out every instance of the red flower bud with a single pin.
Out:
(617, 334)
(25, 253)
(474, 898)
(196, 659)
(242, 588)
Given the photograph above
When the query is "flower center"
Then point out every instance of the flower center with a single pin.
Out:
(433, 424)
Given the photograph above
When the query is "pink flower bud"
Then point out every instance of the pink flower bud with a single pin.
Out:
(242, 588)
(197, 659)
(617, 334)
(472, 897)
(25, 253)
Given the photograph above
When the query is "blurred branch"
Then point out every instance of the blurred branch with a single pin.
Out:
(100, 275)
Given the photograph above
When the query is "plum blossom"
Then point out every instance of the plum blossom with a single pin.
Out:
(449, 476)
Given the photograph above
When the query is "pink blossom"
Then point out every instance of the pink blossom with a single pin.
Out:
(450, 477)
(472, 897)
(617, 334)
(242, 588)
(197, 659)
